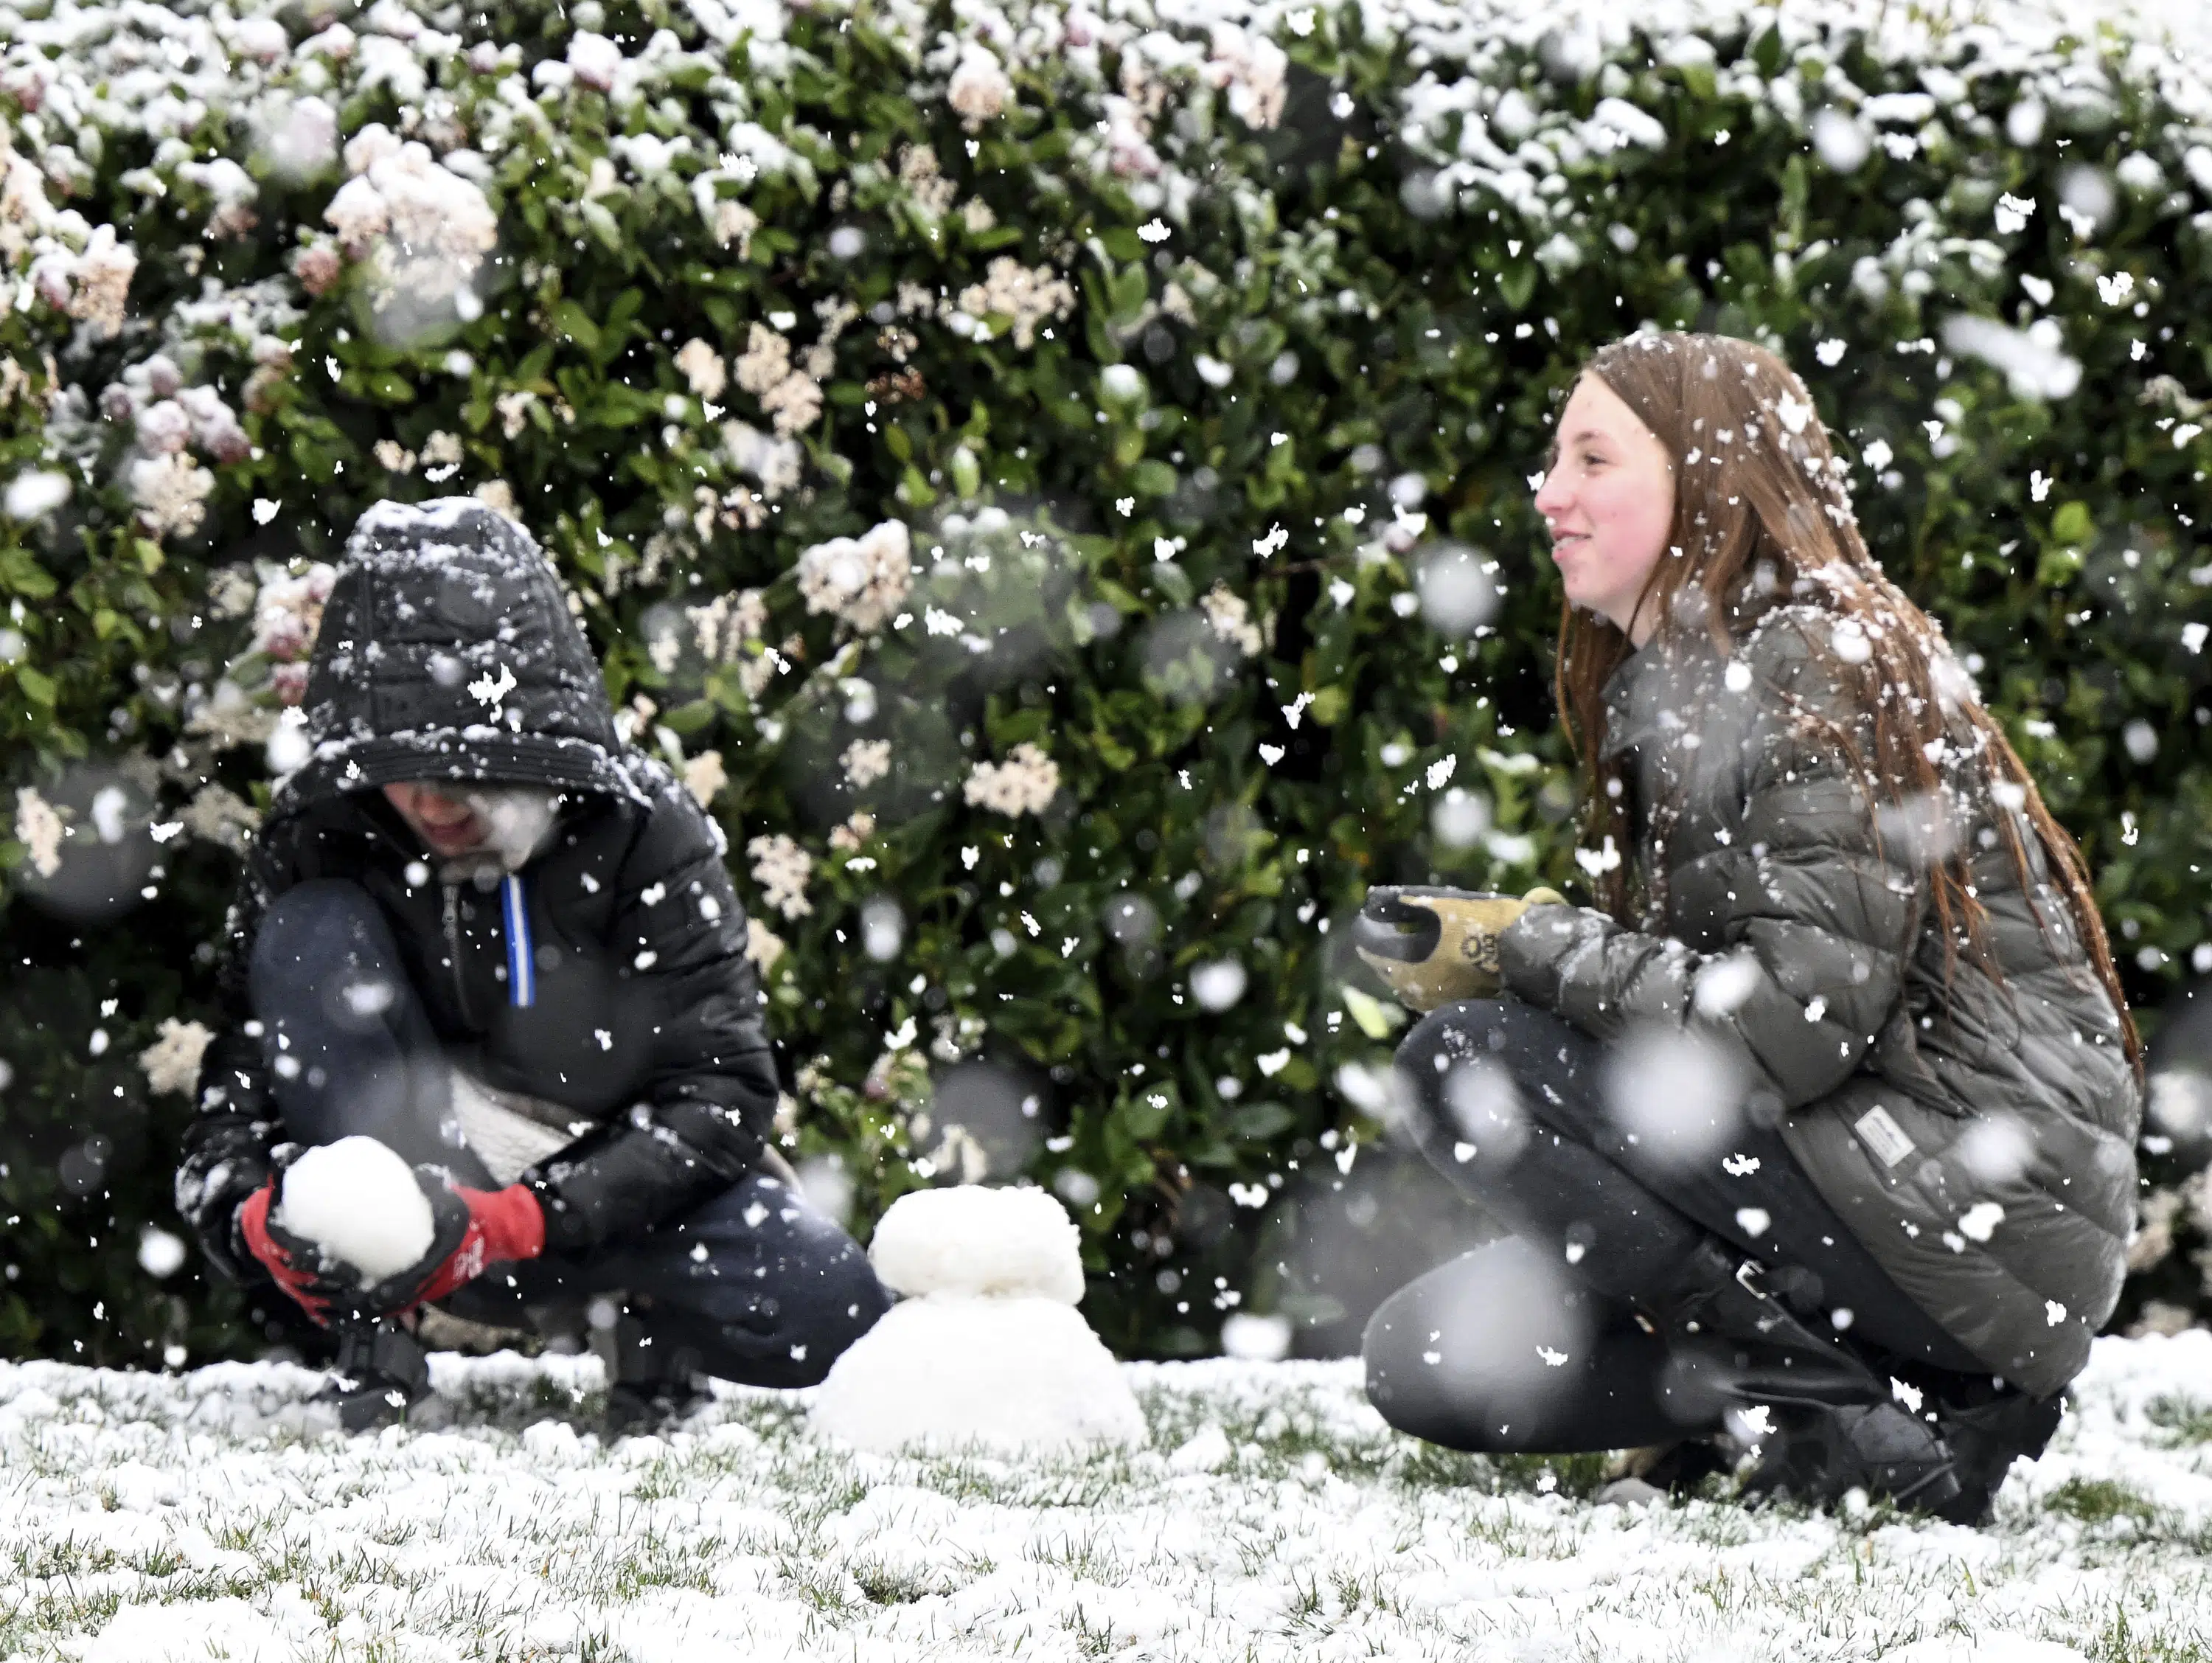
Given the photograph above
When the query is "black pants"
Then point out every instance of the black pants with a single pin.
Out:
(753, 1285)
(1532, 1343)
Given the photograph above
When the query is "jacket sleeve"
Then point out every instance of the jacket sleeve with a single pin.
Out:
(707, 1095)
(225, 1156)
(1816, 917)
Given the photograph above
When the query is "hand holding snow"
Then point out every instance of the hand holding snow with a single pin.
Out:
(358, 1201)
(987, 1349)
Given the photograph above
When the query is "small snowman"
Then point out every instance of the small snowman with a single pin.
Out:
(987, 1349)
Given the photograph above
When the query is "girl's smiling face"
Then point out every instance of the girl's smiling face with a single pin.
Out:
(1608, 501)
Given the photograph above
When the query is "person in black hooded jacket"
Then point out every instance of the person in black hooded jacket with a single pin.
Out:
(478, 927)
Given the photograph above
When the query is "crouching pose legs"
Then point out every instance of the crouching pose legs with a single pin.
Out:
(1884, 1208)
(1642, 1295)
(480, 929)
(752, 1284)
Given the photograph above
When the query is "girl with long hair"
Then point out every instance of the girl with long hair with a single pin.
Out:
(1816, 1132)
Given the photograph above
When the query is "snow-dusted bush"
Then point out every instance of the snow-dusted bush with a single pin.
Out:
(998, 452)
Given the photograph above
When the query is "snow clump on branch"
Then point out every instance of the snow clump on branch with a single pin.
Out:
(979, 90)
(422, 226)
(1254, 69)
(171, 491)
(862, 580)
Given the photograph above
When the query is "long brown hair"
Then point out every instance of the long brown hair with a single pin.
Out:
(1762, 510)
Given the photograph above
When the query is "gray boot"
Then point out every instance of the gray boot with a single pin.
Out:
(1832, 1424)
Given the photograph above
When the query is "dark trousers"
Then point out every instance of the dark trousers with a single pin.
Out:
(753, 1285)
(1534, 1342)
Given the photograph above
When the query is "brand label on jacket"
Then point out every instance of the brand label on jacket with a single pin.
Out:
(1879, 1130)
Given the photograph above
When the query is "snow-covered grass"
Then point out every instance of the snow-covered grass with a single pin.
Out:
(148, 1517)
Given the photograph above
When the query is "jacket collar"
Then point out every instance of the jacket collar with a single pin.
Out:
(1630, 718)
(1665, 674)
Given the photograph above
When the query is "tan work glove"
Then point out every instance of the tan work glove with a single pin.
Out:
(1436, 945)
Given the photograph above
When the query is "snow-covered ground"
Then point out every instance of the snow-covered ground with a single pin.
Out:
(145, 1518)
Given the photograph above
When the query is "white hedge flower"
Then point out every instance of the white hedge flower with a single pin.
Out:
(1025, 784)
(514, 411)
(1026, 295)
(38, 829)
(230, 718)
(724, 624)
(782, 868)
(288, 612)
(499, 497)
(218, 815)
(1232, 619)
(299, 136)
(767, 360)
(923, 176)
(703, 368)
(862, 580)
(774, 462)
(979, 90)
(233, 190)
(794, 402)
(172, 1063)
(100, 280)
(171, 492)
(1254, 69)
(734, 222)
(866, 760)
(596, 60)
(792, 396)
(704, 777)
(762, 945)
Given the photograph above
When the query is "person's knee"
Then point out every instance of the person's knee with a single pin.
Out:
(310, 919)
(324, 948)
(1399, 1384)
(1484, 1352)
(835, 1302)
(1447, 1034)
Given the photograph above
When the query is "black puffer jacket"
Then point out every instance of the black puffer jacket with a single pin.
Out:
(1979, 1138)
(446, 651)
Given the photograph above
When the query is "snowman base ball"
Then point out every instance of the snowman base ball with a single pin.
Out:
(987, 1351)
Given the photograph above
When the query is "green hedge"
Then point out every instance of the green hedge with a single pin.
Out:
(1178, 388)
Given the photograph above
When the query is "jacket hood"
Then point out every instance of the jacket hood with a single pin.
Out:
(448, 652)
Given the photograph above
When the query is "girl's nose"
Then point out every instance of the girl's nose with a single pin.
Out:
(1551, 496)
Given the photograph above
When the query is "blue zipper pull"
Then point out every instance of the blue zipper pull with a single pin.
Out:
(521, 961)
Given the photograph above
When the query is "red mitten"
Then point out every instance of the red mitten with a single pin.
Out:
(475, 1228)
(293, 1263)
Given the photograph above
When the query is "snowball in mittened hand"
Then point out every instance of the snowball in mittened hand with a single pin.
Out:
(359, 1202)
(968, 1239)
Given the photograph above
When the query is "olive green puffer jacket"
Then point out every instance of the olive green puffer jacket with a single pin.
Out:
(1979, 1137)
